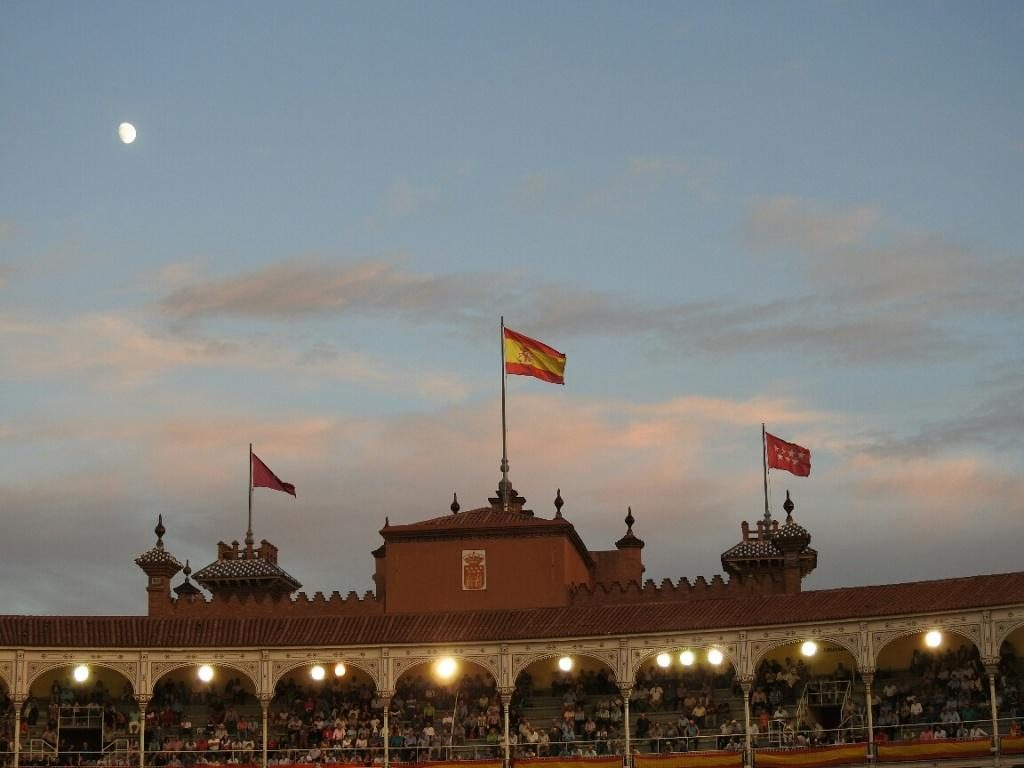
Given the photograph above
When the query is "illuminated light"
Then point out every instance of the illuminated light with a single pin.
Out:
(339, 670)
(715, 656)
(206, 673)
(809, 648)
(664, 659)
(446, 667)
(933, 639)
(81, 673)
(565, 664)
(686, 658)
(317, 672)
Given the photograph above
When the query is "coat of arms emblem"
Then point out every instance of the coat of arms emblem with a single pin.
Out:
(474, 569)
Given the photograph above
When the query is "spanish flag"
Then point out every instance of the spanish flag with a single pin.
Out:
(528, 357)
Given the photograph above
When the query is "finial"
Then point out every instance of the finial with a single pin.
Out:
(455, 504)
(788, 506)
(629, 520)
(249, 539)
(187, 570)
(160, 531)
(558, 504)
(387, 521)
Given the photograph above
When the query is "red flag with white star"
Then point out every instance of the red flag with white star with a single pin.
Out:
(788, 456)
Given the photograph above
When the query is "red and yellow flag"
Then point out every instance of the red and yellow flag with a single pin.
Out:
(528, 357)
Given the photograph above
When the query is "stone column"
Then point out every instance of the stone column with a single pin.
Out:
(265, 700)
(385, 697)
(868, 676)
(992, 669)
(506, 699)
(143, 702)
(747, 684)
(625, 689)
(18, 704)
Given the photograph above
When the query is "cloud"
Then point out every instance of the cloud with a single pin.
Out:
(117, 351)
(296, 288)
(632, 183)
(789, 222)
(7, 271)
(689, 467)
(405, 199)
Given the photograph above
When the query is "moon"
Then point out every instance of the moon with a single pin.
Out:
(126, 132)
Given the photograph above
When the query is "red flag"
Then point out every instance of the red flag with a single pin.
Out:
(262, 477)
(788, 456)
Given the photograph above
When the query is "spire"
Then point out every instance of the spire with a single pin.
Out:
(160, 531)
(629, 540)
(455, 504)
(558, 504)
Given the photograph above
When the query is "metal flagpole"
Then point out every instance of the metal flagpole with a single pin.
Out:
(764, 459)
(248, 532)
(504, 439)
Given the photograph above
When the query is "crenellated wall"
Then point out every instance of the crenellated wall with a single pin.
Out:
(672, 592)
(301, 605)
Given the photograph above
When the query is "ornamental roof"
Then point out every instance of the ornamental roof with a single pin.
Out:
(157, 556)
(244, 569)
(827, 605)
(476, 519)
(754, 548)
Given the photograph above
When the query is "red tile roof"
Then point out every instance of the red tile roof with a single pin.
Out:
(541, 623)
(476, 519)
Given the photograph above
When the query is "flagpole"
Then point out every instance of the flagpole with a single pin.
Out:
(504, 438)
(248, 533)
(764, 460)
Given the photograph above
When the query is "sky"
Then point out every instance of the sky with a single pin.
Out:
(802, 214)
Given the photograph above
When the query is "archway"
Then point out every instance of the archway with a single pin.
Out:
(80, 712)
(932, 683)
(686, 699)
(6, 723)
(329, 712)
(203, 713)
(446, 708)
(566, 704)
(806, 693)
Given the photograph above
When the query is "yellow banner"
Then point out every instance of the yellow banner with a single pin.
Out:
(842, 754)
(690, 760)
(1011, 745)
(570, 762)
(932, 750)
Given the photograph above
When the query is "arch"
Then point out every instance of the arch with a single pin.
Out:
(1008, 630)
(412, 664)
(174, 666)
(727, 655)
(298, 664)
(38, 672)
(523, 663)
(900, 634)
(844, 643)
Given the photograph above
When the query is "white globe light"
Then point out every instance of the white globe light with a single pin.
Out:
(81, 673)
(317, 672)
(715, 656)
(126, 132)
(686, 658)
(206, 673)
(664, 659)
(446, 667)
(339, 669)
(565, 664)
(809, 648)
(933, 639)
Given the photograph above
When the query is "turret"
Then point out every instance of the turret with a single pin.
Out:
(160, 566)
